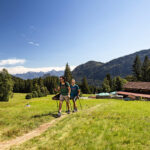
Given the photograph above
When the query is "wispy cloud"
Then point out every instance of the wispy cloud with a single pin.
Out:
(11, 62)
(32, 27)
(22, 69)
(33, 43)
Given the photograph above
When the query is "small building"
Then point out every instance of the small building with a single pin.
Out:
(137, 87)
(136, 90)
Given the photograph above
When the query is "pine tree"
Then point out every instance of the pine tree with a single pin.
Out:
(108, 77)
(130, 78)
(67, 73)
(148, 74)
(85, 86)
(119, 83)
(40, 82)
(137, 68)
(6, 85)
(106, 86)
(30, 86)
(114, 84)
(145, 67)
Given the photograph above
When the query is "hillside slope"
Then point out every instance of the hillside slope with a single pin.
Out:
(121, 66)
(86, 69)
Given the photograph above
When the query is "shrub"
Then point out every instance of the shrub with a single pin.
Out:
(34, 94)
(28, 96)
(40, 94)
(44, 91)
(6, 85)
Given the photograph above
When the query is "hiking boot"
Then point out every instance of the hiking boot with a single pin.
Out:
(75, 110)
(59, 114)
(68, 112)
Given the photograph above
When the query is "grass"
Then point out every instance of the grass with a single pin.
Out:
(87, 95)
(17, 119)
(101, 125)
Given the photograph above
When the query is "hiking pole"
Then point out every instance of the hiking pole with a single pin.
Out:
(80, 103)
(70, 105)
(57, 104)
(66, 106)
(56, 98)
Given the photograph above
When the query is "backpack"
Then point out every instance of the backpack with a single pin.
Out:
(65, 84)
(56, 97)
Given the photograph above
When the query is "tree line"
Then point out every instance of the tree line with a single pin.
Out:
(113, 84)
(37, 87)
(141, 71)
(43, 86)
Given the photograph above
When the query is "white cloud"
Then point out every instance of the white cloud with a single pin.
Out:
(22, 69)
(12, 62)
(33, 43)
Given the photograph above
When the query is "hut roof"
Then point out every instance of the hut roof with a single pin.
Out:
(133, 94)
(138, 85)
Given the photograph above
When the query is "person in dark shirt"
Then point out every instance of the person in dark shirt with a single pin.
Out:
(75, 92)
(64, 89)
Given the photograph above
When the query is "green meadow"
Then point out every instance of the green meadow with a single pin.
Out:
(17, 119)
(101, 124)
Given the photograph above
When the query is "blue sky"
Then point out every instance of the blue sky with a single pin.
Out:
(46, 34)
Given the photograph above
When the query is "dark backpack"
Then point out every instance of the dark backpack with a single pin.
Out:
(56, 97)
(65, 84)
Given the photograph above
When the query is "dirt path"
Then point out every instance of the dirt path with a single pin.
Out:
(30, 135)
(38, 131)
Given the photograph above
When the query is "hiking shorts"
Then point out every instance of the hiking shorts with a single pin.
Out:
(62, 98)
(74, 98)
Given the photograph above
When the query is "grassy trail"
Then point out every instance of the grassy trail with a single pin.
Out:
(110, 125)
(16, 119)
(38, 131)
(101, 125)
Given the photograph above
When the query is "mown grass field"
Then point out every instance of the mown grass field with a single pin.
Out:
(17, 119)
(102, 124)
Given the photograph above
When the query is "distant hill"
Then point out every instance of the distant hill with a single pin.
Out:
(32, 75)
(96, 71)
(87, 70)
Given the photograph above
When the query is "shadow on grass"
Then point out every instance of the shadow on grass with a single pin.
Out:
(53, 114)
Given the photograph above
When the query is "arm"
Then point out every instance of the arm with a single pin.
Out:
(69, 91)
(57, 89)
(78, 92)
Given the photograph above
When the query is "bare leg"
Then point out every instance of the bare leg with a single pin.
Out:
(68, 105)
(60, 105)
(74, 104)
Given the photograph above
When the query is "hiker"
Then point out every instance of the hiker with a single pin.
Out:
(64, 89)
(75, 92)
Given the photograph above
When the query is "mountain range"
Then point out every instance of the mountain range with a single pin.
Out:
(95, 72)
(32, 75)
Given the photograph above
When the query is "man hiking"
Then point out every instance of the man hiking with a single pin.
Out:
(75, 92)
(64, 89)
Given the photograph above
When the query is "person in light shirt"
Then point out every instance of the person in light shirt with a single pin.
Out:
(75, 92)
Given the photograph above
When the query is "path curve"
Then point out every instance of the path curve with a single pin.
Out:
(38, 131)
(21, 139)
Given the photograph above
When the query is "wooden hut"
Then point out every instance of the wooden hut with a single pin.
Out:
(137, 87)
